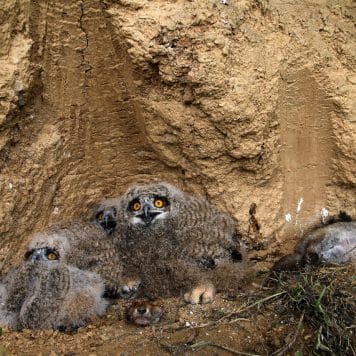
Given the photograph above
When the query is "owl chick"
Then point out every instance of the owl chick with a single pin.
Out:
(45, 293)
(335, 243)
(161, 225)
(87, 247)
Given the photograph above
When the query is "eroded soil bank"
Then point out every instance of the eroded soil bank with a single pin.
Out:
(249, 102)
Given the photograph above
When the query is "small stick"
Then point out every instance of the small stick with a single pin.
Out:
(247, 307)
(286, 347)
(201, 344)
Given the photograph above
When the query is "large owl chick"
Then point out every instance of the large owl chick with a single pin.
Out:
(176, 241)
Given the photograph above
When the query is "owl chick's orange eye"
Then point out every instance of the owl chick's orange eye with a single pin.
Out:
(100, 216)
(136, 206)
(159, 203)
(52, 256)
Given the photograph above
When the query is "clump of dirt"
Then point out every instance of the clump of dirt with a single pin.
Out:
(306, 312)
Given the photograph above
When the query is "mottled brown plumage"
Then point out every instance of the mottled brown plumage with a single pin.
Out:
(175, 241)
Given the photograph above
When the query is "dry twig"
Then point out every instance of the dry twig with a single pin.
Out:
(290, 343)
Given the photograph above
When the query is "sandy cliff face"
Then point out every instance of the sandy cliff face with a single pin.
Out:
(250, 102)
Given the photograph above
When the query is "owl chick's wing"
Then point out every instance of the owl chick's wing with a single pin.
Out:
(42, 306)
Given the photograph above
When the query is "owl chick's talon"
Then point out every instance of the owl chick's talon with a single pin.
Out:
(201, 294)
(130, 289)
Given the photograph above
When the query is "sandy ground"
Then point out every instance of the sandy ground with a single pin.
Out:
(242, 103)
(256, 320)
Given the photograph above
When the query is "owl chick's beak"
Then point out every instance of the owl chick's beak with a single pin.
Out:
(36, 255)
(148, 215)
(108, 223)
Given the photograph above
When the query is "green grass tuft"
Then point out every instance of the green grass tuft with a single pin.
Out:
(325, 296)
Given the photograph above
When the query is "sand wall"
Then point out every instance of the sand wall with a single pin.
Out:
(249, 102)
